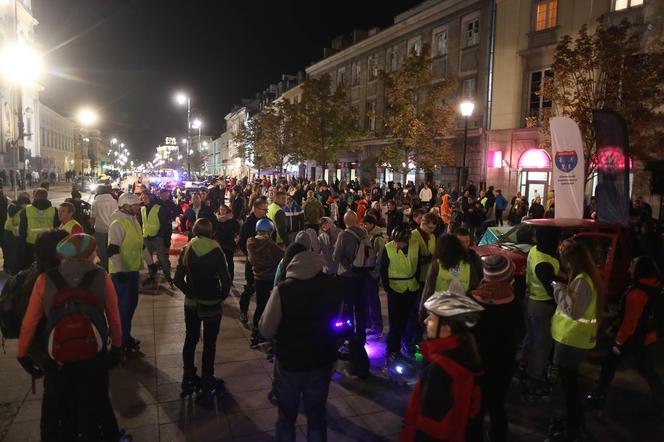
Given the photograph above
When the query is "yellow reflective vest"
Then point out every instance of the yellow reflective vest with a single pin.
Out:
(150, 220)
(534, 286)
(426, 249)
(272, 211)
(38, 221)
(131, 248)
(13, 222)
(445, 277)
(69, 225)
(581, 332)
(401, 271)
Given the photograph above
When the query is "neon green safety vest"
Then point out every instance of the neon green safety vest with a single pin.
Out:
(150, 221)
(536, 290)
(401, 271)
(13, 222)
(70, 225)
(272, 211)
(131, 248)
(38, 221)
(425, 249)
(445, 277)
(581, 332)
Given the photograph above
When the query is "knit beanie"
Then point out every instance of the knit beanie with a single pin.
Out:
(77, 246)
(497, 268)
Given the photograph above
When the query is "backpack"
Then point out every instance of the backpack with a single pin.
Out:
(14, 300)
(76, 326)
(365, 255)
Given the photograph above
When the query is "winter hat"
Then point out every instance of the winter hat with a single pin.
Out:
(497, 268)
(303, 238)
(77, 246)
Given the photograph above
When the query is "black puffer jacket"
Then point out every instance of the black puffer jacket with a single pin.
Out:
(203, 276)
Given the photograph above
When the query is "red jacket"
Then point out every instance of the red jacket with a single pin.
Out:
(447, 398)
(637, 312)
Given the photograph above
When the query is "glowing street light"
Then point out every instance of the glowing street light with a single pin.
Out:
(87, 117)
(181, 98)
(114, 141)
(197, 124)
(184, 99)
(21, 64)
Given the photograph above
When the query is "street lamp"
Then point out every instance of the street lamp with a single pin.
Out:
(86, 117)
(183, 99)
(466, 108)
(21, 66)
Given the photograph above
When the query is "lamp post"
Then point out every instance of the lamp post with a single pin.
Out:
(21, 66)
(198, 124)
(183, 99)
(86, 117)
(466, 108)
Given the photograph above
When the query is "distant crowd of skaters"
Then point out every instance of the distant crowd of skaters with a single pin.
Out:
(316, 256)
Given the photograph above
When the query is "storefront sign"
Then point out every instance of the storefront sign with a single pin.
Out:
(568, 168)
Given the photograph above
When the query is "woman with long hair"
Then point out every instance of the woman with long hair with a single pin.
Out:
(574, 331)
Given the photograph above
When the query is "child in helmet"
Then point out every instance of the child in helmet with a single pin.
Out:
(264, 256)
(445, 405)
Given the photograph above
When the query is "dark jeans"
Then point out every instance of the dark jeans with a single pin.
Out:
(412, 335)
(229, 262)
(399, 311)
(537, 344)
(645, 363)
(312, 387)
(25, 257)
(263, 289)
(355, 305)
(102, 248)
(249, 287)
(76, 405)
(499, 217)
(192, 336)
(574, 417)
(10, 253)
(127, 291)
(374, 314)
(495, 384)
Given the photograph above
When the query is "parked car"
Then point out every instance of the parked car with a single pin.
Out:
(609, 244)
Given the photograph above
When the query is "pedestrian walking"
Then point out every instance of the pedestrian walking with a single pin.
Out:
(227, 228)
(67, 221)
(125, 246)
(377, 237)
(278, 218)
(11, 244)
(34, 219)
(156, 223)
(103, 207)
(248, 230)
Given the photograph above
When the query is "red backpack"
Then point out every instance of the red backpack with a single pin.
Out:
(76, 326)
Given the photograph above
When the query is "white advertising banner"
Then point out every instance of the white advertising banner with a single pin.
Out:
(568, 168)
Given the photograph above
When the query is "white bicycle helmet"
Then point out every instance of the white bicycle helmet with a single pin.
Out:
(454, 306)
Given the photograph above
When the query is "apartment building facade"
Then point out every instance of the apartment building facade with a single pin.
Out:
(459, 34)
(59, 140)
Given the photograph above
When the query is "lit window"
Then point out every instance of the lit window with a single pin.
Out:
(619, 5)
(441, 43)
(468, 88)
(546, 15)
(472, 32)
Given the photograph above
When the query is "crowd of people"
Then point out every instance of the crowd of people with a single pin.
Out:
(316, 256)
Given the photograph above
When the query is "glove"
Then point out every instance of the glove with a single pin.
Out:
(29, 365)
(617, 349)
(114, 357)
(122, 276)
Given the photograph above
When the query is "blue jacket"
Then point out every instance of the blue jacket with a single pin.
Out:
(501, 202)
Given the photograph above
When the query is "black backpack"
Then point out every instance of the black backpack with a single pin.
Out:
(14, 300)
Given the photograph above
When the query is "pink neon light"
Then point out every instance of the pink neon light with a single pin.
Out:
(611, 158)
(535, 159)
(495, 159)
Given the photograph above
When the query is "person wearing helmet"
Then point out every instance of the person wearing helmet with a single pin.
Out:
(264, 255)
(398, 271)
(125, 247)
(445, 404)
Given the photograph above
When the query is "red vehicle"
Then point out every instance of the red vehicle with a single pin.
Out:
(609, 244)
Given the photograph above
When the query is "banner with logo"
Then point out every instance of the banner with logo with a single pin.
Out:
(568, 168)
(612, 165)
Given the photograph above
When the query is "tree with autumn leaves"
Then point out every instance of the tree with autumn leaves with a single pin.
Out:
(418, 115)
(318, 127)
(610, 70)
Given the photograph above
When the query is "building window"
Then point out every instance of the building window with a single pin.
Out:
(546, 14)
(469, 88)
(472, 28)
(371, 115)
(440, 43)
(619, 5)
(355, 73)
(392, 62)
(536, 102)
(372, 67)
(415, 46)
(341, 77)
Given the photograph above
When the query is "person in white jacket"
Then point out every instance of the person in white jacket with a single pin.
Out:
(327, 239)
(103, 207)
(426, 195)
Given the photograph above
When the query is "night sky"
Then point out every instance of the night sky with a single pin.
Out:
(127, 58)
